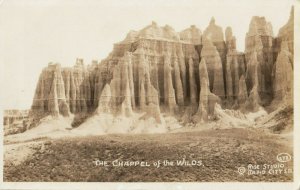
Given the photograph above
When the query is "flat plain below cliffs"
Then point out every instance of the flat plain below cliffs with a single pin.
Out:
(157, 80)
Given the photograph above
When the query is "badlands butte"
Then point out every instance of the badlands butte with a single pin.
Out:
(157, 73)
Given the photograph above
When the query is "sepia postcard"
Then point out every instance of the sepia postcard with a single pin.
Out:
(140, 95)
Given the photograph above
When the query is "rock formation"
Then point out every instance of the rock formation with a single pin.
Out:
(169, 91)
(254, 101)
(214, 68)
(191, 35)
(207, 99)
(251, 73)
(235, 67)
(15, 121)
(286, 33)
(158, 70)
(242, 91)
(213, 32)
(259, 40)
(283, 74)
(193, 87)
(104, 105)
(178, 84)
(126, 106)
(50, 94)
(218, 85)
(152, 108)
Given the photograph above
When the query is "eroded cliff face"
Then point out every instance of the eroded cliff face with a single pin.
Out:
(283, 74)
(286, 33)
(235, 69)
(259, 41)
(157, 70)
(283, 67)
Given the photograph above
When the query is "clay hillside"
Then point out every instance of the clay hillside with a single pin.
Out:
(189, 74)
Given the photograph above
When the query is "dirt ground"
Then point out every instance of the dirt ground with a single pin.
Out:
(218, 154)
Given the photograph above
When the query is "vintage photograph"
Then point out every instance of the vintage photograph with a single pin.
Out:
(147, 91)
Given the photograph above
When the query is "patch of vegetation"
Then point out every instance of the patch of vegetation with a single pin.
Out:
(221, 151)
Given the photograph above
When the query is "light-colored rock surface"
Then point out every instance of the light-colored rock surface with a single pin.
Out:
(169, 92)
(235, 67)
(178, 84)
(230, 39)
(128, 59)
(192, 79)
(104, 105)
(50, 95)
(286, 33)
(218, 85)
(254, 101)
(214, 68)
(283, 75)
(242, 91)
(126, 107)
(153, 31)
(260, 26)
(259, 40)
(191, 35)
(213, 32)
(252, 74)
(204, 92)
(157, 71)
(207, 99)
(77, 86)
(203, 104)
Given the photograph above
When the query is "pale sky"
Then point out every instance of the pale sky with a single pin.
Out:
(34, 33)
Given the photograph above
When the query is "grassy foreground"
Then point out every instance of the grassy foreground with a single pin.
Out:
(220, 151)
